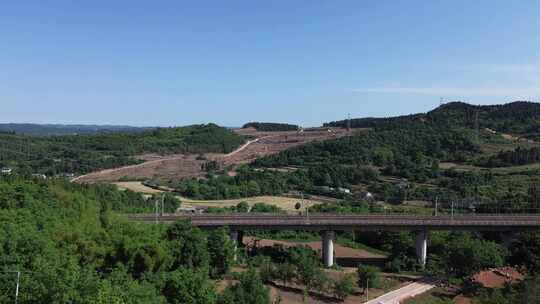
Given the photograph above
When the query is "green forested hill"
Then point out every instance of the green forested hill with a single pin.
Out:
(84, 153)
(520, 117)
(61, 129)
(414, 157)
(270, 126)
(411, 149)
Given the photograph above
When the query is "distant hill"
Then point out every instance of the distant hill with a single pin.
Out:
(520, 117)
(61, 129)
(270, 126)
(84, 153)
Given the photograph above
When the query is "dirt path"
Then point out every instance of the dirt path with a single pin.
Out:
(249, 142)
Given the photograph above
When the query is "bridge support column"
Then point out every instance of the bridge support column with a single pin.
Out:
(421, 247)
(237, 238)
(328, 248)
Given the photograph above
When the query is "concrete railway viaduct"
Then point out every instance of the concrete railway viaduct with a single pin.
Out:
(327, 224)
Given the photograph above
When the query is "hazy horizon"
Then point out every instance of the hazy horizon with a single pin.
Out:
(240, 125)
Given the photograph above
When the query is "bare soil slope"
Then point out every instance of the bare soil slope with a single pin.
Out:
(181, 166)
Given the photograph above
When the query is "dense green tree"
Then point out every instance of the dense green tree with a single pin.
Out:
(344, 286)
(242, 207)
(188, 245)
(526, 251)
(531, 291)
(270, 126)
(221, 251)
(368, 276)
(465, 255)
(307, 264)
(170, 202)
(120, 287)
(286, 272)
(186, 286)
(249, 290)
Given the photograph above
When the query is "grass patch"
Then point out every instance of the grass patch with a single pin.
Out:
(352, 244)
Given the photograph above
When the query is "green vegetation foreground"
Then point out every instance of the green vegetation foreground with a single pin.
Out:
(71, 248)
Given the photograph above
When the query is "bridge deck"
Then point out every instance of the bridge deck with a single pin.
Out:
(499, 222)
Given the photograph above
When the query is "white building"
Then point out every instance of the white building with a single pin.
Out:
(6, 170)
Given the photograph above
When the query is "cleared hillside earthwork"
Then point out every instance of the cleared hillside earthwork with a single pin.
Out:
(180, 166)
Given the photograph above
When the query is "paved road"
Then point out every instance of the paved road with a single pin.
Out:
(398, 295)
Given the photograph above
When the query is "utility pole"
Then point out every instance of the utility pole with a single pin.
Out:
(436, 202)
(156, 210)
(306, 206)
(367, 289)
(476, 124)
(162, 203)
(17, 288)
(18, 283)
(302, 201)
(452, 210)
(406, 190)
(349, 128)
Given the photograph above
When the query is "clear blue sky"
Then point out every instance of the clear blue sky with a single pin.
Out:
(229, 62)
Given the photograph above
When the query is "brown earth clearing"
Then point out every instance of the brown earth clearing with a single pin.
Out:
(340, 252)
(497, 277)
(180, 166)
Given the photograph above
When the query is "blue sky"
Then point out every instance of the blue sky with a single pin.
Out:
(307, 62)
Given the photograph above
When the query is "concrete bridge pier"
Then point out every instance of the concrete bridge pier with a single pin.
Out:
(421, 247)
(237, 240)
(328, 248)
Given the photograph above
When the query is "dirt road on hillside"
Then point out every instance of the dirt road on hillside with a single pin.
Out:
(184, 166)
